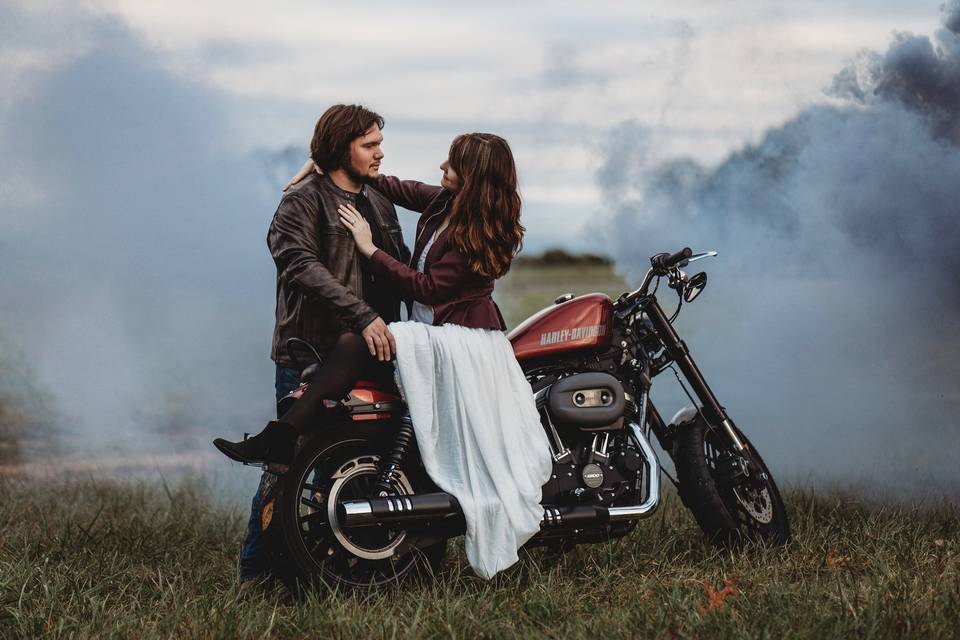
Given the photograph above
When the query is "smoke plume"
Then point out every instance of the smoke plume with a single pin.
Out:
(136, 279)
(830, 326)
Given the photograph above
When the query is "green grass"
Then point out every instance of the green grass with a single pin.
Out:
(102, 559)
(98, 559)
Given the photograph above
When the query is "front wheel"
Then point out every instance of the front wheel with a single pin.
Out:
(730, 508)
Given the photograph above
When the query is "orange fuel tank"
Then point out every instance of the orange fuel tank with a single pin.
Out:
(585, 322)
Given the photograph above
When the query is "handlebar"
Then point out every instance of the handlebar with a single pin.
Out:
(666, 261)
(660, 265)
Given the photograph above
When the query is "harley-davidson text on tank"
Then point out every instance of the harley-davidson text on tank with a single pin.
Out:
(572, 333)
(584, 322)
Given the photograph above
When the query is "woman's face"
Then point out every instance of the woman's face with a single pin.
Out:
(450, 179)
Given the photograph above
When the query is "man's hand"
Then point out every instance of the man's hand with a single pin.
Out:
(379, 340)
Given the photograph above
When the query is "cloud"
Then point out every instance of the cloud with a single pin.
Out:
(562, 68)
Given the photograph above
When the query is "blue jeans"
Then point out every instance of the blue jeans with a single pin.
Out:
(252, 560)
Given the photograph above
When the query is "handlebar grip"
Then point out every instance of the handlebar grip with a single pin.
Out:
(664, 261)
(678, 257)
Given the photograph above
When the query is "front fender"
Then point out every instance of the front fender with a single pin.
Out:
(688, 414)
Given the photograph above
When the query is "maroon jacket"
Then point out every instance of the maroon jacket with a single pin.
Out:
(457, 294)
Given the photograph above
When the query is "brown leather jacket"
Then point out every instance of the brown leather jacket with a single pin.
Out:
(319, 283)
(457, 294)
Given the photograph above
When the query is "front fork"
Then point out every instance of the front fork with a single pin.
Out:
(680, 354)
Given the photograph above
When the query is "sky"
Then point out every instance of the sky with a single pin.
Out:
(813, 144)
(552, 77)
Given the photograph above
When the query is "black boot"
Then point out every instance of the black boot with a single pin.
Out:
(274, 444)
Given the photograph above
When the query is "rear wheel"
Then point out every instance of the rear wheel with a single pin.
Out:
(307, 543)
(730, 507)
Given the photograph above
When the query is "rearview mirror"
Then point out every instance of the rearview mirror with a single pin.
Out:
(694, 286)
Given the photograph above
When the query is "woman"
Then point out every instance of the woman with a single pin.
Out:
(468, 233)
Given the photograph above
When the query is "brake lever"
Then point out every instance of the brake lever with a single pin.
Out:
(701, 256)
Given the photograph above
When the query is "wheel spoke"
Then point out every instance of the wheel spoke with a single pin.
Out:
(312, 503)
(315, 519)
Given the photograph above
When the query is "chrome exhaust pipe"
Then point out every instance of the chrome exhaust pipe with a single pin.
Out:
(426, 506)
(586, 515)
(650, 504)
(440, 506)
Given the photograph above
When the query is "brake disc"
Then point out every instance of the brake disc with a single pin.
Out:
(756, 503)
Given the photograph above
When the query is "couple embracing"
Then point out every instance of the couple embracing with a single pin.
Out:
(343, 270)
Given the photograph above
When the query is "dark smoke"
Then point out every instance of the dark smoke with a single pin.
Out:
(830, 324)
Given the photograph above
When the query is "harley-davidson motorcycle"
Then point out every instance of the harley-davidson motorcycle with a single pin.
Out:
(357, 509)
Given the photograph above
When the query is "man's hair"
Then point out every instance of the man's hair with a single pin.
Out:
(340, 125)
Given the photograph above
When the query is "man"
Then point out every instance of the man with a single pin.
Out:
(323, 288)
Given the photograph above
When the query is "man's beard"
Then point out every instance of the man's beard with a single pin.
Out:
(356, 176)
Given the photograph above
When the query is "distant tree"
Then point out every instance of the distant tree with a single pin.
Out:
(557, 257)
(26, 417)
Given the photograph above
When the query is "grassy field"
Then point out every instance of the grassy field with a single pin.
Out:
(95, 559)
(525, 290)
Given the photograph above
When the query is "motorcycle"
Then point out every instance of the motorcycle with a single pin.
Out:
(357, 509)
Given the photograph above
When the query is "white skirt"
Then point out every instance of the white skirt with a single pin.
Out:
(478, 432)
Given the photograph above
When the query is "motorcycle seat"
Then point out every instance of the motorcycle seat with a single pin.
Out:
(307, 375)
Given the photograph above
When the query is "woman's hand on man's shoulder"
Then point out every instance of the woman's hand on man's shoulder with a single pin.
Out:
(308, 167)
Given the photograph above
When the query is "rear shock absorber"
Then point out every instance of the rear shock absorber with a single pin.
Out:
(390, 465)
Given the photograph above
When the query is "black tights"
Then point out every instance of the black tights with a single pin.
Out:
(349, 360)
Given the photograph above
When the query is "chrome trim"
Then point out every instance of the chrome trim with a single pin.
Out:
(642, 289)
(358, 513)
(558, 450)
(732, 434)
(599, 453)
(539, 396)
(592, 398)
(551, 518)
(644, 398)
(648, 506)
(701, 256)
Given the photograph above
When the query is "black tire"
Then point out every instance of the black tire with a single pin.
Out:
(305, 547)
(730, 514)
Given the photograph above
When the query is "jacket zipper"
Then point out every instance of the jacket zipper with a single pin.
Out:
(356, 274)
(424, 227)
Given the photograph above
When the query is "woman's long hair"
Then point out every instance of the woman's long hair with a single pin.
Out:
(485, 218)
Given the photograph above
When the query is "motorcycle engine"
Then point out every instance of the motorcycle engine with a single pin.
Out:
(584, 415)
(601, 469)
(592, 401)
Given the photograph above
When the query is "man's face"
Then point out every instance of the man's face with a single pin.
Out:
(365, 156)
